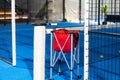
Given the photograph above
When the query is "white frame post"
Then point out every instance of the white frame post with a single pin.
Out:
(39, 52)
(86, 40)
(13, 33)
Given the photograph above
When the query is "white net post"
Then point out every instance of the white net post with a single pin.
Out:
(13, 33)
(39, 52)
(86, 41)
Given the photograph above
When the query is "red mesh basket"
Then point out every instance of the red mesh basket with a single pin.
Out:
(61, 36)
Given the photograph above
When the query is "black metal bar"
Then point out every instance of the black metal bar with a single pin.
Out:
(92, 9)
(95, 9)
(102, 2)
(99, 12)
(119, 7)
(102, 5)
(115, 7)
(28, 12)
(64, 10)
(47, 11)
(80, 11)
(4, 12)
(111, 7)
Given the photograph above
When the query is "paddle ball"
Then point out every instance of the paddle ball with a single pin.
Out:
(101, 56)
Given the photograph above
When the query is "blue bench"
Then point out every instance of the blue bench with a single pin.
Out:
(113, 18)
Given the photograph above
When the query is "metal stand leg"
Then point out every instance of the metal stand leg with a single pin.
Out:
(51, 73)
(51, 60)
(74, 57)
(71, 75)
(78, 62)
(71, 63)
(59, 66)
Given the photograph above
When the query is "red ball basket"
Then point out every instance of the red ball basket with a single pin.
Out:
(60, 43)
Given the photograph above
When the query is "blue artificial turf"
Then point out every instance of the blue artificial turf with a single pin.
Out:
(98, 70)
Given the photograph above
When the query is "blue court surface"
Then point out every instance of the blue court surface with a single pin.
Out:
(99, 69)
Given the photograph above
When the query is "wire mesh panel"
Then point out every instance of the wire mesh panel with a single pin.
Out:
(98, 9)
(6, 43)
(42, 11)
(5, 12)
(21, 11)
(104, 49)
(5, 32)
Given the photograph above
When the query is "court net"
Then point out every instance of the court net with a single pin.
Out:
(104, 51)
